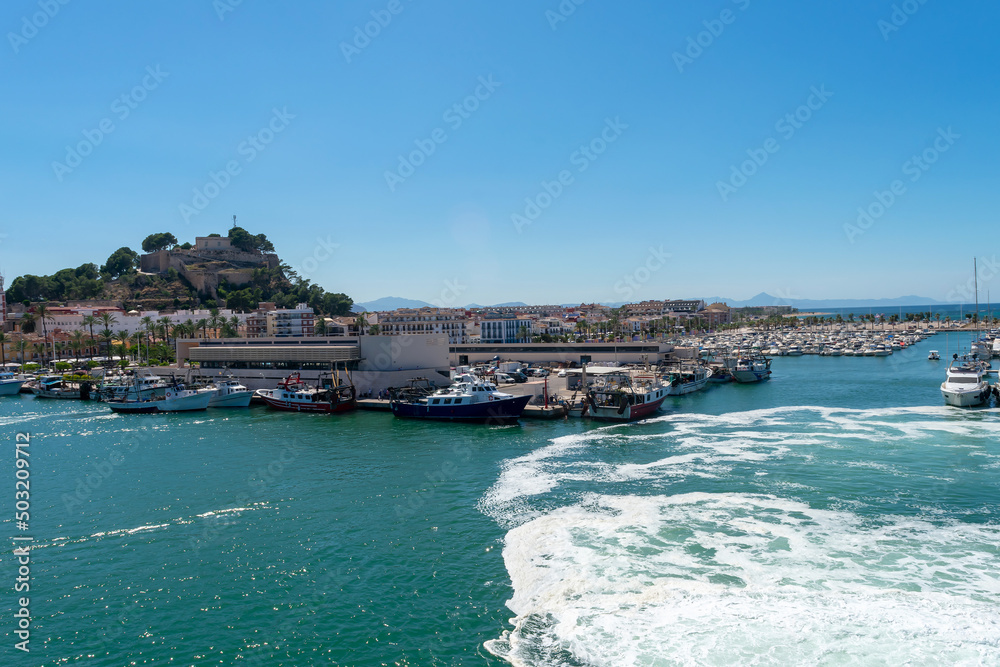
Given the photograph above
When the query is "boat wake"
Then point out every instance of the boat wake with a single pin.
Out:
(704, 553)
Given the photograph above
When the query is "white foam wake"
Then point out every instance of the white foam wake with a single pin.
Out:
(741, 579)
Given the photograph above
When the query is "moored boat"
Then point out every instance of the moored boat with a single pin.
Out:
(964, 384)
(620, 397)
(10, 384)
(752, 369)
(469, 399)
(294, 395)
(230, 394)
(54, 386)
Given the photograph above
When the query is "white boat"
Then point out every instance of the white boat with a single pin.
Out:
(934, 355)
(882, 351)
(230, 394)
(688, 379)
(10, 384)
(177, 398)
(126, 387)
(793, 351)
(836, 352)
(964, 385)
(996, 347)
(752, 369)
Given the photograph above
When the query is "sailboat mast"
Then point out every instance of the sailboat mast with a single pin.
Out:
(975, 278)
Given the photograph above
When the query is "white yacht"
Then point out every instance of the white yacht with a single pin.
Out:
(793, 351)
(934, 356)
(964, 385)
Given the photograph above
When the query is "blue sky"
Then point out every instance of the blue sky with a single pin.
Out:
(642, 215)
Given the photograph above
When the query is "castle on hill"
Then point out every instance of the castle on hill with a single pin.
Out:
(210, 260)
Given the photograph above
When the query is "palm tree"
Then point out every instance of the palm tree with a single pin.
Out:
(165, 328)
(203, 325)
(21, 345)
(361, 322)
(43, 314)
(89, 321)
(215, 321)
(234, 323)
(58, 347)
(123, 337)
(39, 350)
(108, 335)
(147, 324)
(28, 322)
(3, 348)
(76, 343)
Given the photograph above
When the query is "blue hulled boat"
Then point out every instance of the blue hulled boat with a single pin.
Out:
(468, 399)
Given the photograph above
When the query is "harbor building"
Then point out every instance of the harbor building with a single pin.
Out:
(375, 362)
(637, 352)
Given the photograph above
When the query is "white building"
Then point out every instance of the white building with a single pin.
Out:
(504, 330)
(451, 322)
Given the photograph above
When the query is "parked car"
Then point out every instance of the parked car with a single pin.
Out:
(518, 376)
(502, 378)
(561, 373)
(540, 372)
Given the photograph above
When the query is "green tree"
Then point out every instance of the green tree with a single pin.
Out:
(121, 262)
(155, 242)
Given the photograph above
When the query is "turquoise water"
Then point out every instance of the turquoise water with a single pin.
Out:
(838, 514)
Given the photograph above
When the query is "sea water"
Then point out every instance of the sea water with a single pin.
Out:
(836, 514)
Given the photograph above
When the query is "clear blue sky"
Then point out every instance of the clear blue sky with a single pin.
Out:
(323, 176)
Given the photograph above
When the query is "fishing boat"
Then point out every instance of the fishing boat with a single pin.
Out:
(688, 379)
(934, 356)
(965, 385)
(54, 386)
(176, 397)
(469, 399)
(294, 395)
(230, 394)
(129, 386)
(621, 397)
(752, 369)
(10, 384)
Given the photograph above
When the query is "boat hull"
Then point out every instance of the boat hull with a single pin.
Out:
(320, 407)
(749, 376)
(10, 387)
(133, 407)
(236, 399)
(965, 399)
(631, 412)
(499, 411)
(191, 402)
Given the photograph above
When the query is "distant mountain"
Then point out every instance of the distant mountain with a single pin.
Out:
(388, 303)
(762, 299)
(765, 299)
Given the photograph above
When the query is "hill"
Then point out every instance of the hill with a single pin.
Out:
(237, 271)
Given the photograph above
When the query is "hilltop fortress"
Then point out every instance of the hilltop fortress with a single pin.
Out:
(210, 260)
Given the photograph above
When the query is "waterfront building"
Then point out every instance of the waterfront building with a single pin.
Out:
(638, 352)
(665, 308)
(375, 362)
(504, 329)
(452, 322)
(271, 321)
